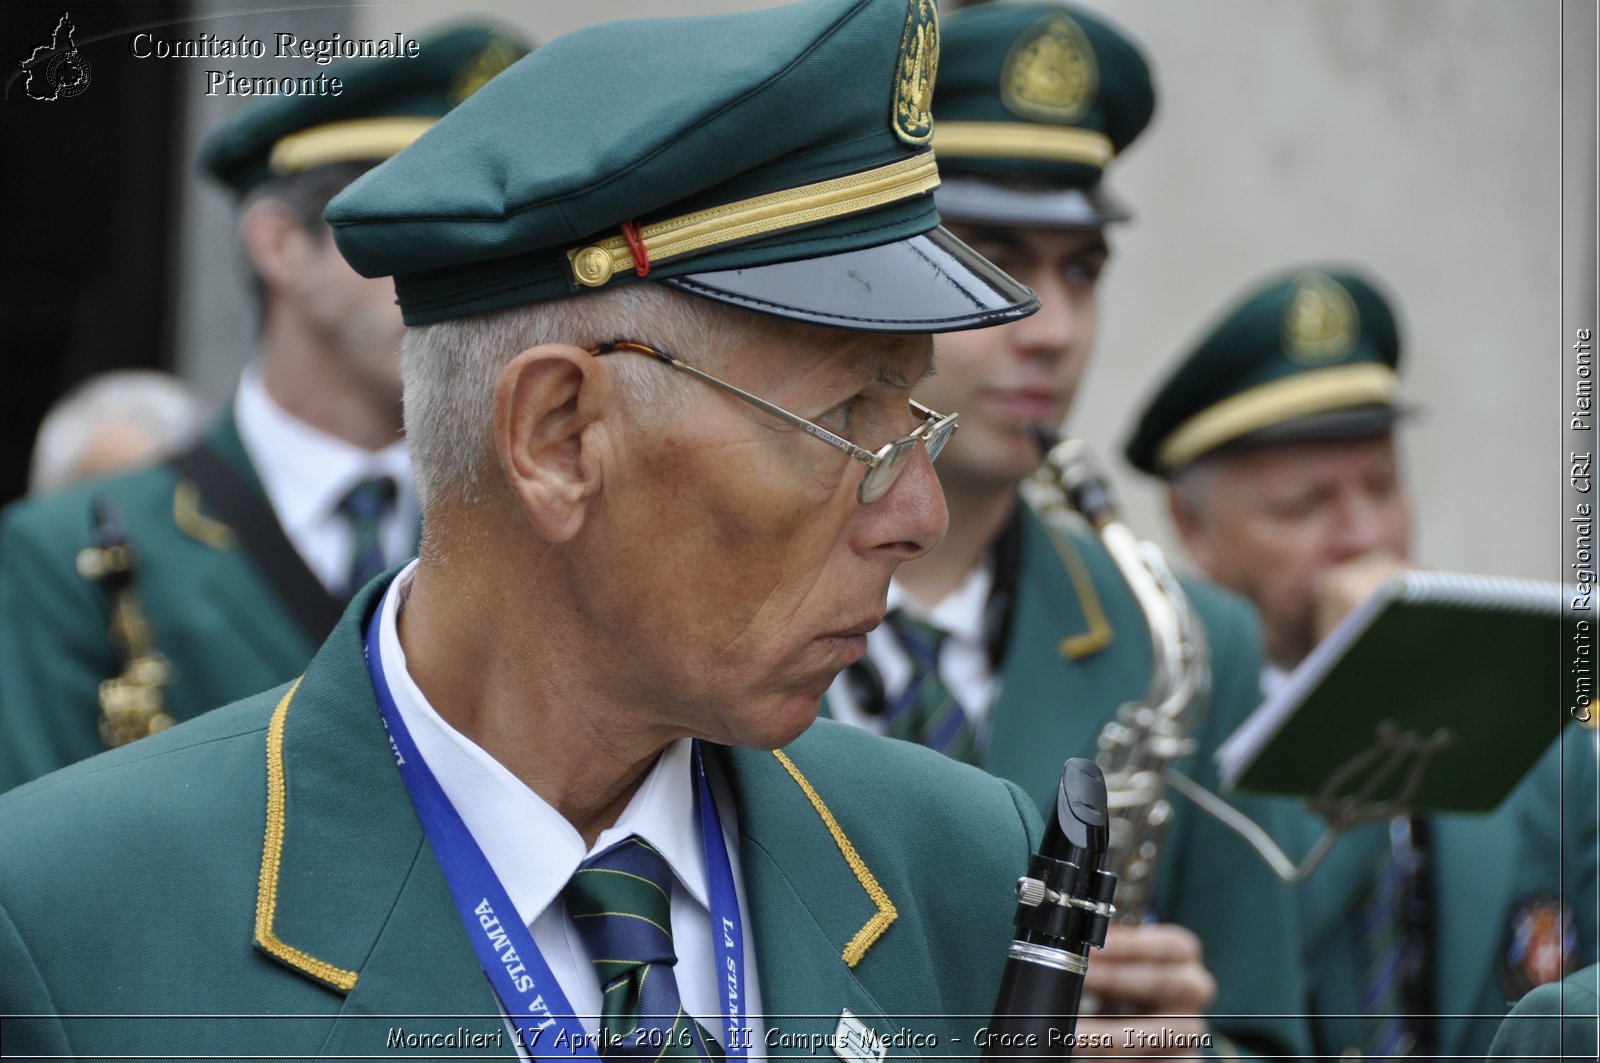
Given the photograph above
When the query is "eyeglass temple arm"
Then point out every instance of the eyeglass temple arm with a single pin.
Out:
(866, 457)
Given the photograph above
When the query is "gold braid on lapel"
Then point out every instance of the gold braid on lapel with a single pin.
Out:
(272, 854)
(868, 935)
(188, 519)
(1100, 634)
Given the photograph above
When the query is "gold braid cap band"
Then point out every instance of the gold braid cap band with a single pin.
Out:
(352, 141)
(1273, 403)
(1022, 140)
(593, 265)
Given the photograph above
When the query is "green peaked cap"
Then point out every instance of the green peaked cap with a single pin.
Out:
(701, 152)
(1033, 101)
(1311, 354)
(385, 104)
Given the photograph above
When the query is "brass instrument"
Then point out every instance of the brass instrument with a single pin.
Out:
(1138, 747)
(131, 704)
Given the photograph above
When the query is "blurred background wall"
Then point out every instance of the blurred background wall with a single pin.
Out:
(1446, 145)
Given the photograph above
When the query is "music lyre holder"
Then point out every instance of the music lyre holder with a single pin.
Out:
(1378, 783)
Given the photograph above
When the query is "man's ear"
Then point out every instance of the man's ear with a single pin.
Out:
(275, 241)
(545, 402)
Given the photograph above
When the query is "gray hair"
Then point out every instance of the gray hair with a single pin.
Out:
(157, 404)
(451, 369)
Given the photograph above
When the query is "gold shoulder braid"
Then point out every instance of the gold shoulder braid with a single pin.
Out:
(131, 704)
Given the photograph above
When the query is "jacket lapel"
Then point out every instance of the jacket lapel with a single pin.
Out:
(350, 894)
(1062, 660)
(809, 908)
(229, 579)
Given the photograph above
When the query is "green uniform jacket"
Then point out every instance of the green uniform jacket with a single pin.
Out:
(1555, 1021)
(1078, 649)
(138, 883)
(212, 612)
(1491, 874)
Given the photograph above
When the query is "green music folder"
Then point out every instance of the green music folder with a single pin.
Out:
(1437, 693)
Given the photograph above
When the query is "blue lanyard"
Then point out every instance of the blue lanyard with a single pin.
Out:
(521, 978)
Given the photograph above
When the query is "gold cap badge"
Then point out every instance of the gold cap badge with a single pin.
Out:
(476, 71)
(1321, 323)
(915, 72)
(1050, 74)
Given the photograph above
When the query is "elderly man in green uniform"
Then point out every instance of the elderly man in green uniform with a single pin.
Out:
(240, 553)
(669, 287)
(1276, 434)
(1016, 642)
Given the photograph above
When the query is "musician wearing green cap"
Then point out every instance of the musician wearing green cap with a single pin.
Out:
(129, 604)
(1277, 436)
(1015, 643)
(669, 286)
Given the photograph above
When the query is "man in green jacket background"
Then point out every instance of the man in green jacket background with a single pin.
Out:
(1277, 434)
(241, 552)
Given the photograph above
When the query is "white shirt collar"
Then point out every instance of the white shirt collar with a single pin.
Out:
(533, 850)
(305, 471)
(961, 612)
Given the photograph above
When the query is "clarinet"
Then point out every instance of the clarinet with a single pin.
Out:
(1063, 908)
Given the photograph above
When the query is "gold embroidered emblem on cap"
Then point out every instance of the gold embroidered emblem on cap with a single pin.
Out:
(915, 72)
(1321, 322)
(595, 264)
(476, 71)
(1050, 74)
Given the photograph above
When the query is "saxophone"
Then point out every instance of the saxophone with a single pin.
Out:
(131, 704)
(1139, 746)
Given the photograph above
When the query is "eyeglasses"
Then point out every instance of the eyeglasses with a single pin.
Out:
(883, 465)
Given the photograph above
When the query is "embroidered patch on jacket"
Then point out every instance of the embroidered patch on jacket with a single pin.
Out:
(1541, 945)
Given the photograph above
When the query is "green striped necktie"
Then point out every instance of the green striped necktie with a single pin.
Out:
(619, 900)
(364, 508)
(926, 712)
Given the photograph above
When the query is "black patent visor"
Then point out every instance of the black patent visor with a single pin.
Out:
(1349, 423)
(927, 283)
(971, 200)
